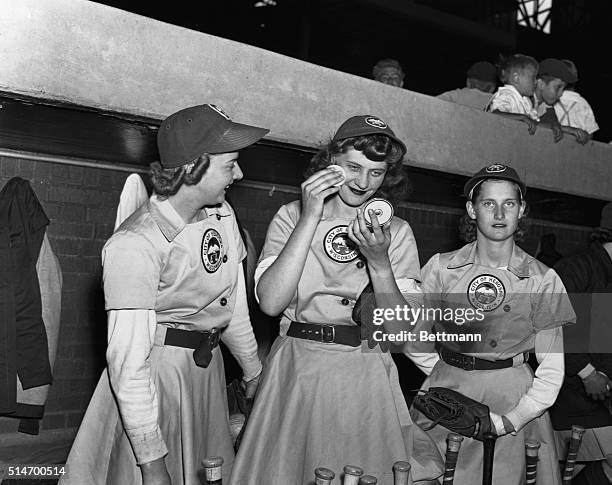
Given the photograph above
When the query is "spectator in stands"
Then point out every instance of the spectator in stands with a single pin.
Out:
(572, 109)
(389, 71)
(553, 76)
(514, 99)
(584, 398)
(479, 86)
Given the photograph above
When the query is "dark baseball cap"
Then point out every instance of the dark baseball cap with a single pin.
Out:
(483, 71)
(606, 216)
(366, 125)
(494, 171)
(191, 132)
(557, 68)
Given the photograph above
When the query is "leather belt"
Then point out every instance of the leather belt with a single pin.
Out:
(202, 342)
(326, 333)
(189, 339)
(467, 362)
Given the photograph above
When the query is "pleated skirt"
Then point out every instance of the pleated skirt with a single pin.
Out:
(193, 417)
(329, 405)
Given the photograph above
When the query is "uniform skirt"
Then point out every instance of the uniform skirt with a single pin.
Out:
(501, 390)
(328, 405)
(193, 417)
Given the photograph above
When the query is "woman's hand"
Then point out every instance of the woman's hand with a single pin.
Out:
(155, 473)
(373, 244)
(315, 189)
(250, 387)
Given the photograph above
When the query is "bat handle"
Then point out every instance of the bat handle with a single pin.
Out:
(487, 463)
(572, 453)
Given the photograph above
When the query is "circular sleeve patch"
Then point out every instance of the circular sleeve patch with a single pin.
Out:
(338, 246)
(486, 292)
(212, 250)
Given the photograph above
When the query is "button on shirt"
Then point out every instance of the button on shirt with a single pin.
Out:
(326, 282)
(154, 273)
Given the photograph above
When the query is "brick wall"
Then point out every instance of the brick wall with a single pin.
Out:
(81, 203)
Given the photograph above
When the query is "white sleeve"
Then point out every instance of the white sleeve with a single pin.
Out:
(131, 335)
(548, 378)
(239, 337)
(260, 270)
(412, 292)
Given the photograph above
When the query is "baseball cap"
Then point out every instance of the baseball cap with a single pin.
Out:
(185, 135)
(557, 68)
(366, 125)
(495, 171)
(484, 71)
(606, 216)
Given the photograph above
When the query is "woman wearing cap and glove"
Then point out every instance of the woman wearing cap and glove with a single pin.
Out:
(173, 283)
(521, 306)
(325, 400)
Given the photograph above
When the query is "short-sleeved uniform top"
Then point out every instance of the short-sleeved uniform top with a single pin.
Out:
(187, 288)
(334, 272)
(516, 302)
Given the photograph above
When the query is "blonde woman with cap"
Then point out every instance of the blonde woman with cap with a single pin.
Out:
(326, 400)
(518, 306)
(173, 284)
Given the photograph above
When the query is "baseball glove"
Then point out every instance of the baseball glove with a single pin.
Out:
(455, 412)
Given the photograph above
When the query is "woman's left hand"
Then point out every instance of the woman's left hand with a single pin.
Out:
(373, 244)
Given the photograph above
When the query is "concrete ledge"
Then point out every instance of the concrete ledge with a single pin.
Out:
(128, 63)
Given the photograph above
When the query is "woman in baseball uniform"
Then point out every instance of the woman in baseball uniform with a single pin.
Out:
(173, 284)
(517, 305)
(325, 399)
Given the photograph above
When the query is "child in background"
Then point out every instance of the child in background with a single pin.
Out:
(572, 109)
(553, 76)
(514, 99)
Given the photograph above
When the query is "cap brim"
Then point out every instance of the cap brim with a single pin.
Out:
(469, 187)
(236, 137)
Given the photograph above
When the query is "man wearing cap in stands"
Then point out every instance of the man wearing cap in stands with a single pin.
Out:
(389, 71)
(584, 399)
(173, 285)
(479, 87)
(553, 76)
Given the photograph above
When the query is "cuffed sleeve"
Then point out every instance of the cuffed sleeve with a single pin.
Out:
(547, 382)
(239, 337)
(131, 335)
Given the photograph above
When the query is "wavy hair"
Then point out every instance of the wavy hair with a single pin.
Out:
(377, 148)
(168, 181)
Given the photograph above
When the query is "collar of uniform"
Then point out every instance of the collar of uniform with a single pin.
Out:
(169, 221)
(518, 264)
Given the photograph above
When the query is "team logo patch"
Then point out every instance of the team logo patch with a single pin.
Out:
(496, 168)
(212, 250)
(220, 111)
(486, 292)
(338, 246)
(376, 122)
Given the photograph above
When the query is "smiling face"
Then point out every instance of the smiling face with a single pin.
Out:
(496, 209)
(363, 177)
(222, 172)
(391, 76)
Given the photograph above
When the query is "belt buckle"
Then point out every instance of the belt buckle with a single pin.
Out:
(468, 362)
(325, 335)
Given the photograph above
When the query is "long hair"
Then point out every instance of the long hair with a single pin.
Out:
(167, 181)
(378, 148)
(468, 227)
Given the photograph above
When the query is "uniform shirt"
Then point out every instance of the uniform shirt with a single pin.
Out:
(334, 272)
(508, 100)
(524, 307)
(472, 97)
(573, 110)
(159, 270)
